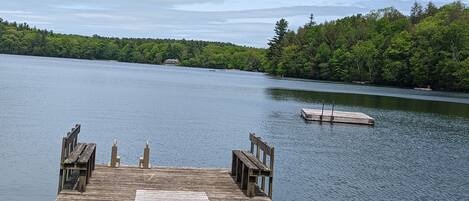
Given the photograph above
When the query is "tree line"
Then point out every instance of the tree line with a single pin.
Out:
(25, 40)
(428, 48)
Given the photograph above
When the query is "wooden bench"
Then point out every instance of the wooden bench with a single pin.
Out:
(247, 167)
(77, 162)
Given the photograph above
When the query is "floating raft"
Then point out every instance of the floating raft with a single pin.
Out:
(337, 116)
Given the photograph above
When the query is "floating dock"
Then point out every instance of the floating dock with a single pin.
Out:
(337, 116)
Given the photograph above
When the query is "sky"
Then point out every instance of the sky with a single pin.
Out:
(243, 22)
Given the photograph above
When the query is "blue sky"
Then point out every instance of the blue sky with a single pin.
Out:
(245, 22)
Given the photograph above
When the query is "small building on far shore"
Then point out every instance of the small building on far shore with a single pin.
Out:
(171, 62)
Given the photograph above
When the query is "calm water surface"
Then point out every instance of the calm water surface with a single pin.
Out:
(418, 150)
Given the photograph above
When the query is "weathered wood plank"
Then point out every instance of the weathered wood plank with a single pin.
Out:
(122, 183)
(87, 152)
(256, 162)
(160, 195)
(73, 157)
(246, 161)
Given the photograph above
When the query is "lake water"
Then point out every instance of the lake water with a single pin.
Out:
(418, 149)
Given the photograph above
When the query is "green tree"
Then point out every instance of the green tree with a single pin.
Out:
(396, 69)
(416, 13)
(363, 56)
(274, 53)
(431, 9)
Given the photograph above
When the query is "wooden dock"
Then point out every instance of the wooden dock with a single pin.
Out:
(158, 183)
(337, 116)
(81, 179)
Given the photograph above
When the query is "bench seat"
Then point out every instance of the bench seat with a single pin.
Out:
(262, 168)
(245, 159)
(80, 155)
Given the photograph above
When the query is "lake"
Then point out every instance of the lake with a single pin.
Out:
(418, 149)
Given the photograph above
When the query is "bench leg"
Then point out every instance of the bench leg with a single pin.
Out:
(233, 165)
(61, 178)
(88, 175)
(245, 183)
(248, 186)
(65, 175)
(242, 177)
(90, 172)
(263, 184)
(270, 186)
(251, 188)
(239, 170)
(82, 181)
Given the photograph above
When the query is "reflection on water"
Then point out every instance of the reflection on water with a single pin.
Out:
(371, 101)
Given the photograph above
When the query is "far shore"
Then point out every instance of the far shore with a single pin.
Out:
(272, 76)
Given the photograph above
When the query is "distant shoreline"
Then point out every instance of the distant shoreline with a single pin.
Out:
(238, 70)
(267, 74)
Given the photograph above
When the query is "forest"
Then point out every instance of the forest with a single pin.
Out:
(428, 48)
(25, 40)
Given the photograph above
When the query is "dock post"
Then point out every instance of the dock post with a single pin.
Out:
(332, 115)
(115, 160)
(145, 160)
(322, 112)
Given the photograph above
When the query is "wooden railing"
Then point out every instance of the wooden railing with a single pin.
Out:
(248, 166)
(267, 153)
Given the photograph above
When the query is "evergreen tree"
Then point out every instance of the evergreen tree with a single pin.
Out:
(431, 9)
(311, 22)
(274, 52)
(416, 13)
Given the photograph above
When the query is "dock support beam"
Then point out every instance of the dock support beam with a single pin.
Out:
(115, 159)
(145, 160)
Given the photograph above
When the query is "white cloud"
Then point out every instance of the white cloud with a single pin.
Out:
(80, 7)
(14, 12)
(100, 16)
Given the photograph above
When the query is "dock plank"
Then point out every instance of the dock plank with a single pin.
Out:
(158, 195)
(123, 183)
